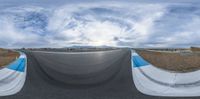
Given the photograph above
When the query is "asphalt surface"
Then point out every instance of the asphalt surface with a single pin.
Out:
(101, 75)
(80, 68)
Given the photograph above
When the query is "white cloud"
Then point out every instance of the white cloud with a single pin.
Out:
(112, 24)
(96, 25)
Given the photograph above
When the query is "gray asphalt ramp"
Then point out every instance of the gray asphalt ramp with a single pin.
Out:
(96, 75)
(78, 68)
(110, 78)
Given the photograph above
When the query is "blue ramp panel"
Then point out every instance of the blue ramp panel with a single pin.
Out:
(139, 61)
(18, 65)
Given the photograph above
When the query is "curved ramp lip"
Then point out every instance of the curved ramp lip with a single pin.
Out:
(15, 76)
(174, 87)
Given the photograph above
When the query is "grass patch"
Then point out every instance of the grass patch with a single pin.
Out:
(7, 56)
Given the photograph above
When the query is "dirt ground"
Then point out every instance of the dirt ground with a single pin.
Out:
(195, 49)
(7, 56)
(173, 61)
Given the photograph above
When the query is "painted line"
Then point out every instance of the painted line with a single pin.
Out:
(139, 61)
(17, 65)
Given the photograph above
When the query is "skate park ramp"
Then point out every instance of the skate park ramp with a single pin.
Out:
(112, 80)
(40, 84)
(154, 81)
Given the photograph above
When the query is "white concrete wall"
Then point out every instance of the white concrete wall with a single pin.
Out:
(12, 81)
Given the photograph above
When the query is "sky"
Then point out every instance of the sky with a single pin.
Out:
(131, 23)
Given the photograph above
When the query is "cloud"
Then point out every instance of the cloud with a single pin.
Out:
(19, 28)
(97, 25)
(111, 24)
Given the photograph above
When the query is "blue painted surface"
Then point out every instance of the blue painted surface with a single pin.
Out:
(138, 61)
(18, 65)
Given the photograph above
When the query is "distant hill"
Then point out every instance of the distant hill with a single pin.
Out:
(77, 46)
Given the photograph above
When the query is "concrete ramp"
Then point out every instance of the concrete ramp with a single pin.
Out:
(151, 80)
(12, 77)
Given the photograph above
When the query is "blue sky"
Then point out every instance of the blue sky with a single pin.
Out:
(134, 23)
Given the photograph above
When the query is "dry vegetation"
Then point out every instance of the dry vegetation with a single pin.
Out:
(7, 56)
(173, 61)
(195, 49)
